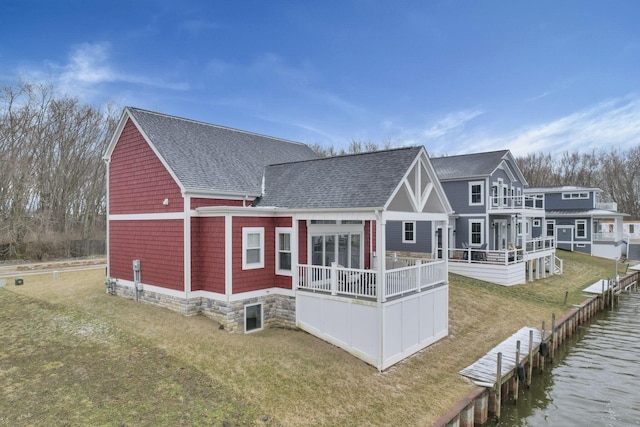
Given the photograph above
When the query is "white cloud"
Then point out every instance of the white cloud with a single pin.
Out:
(613, 123)
(451, 122)
(88, 64)
(90, 74)
(610, 124)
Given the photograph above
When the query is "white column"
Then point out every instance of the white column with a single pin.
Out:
(228, 256)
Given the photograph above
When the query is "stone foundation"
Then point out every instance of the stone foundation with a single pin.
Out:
(278, 311)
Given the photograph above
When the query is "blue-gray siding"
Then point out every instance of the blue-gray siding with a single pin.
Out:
(555, 201)
(423, 237)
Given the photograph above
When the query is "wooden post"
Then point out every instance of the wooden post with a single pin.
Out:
(602, 295)
(499, 386)
(541, 355)
(517, 383)
(552, 337)
(530, 357)
(611, 294)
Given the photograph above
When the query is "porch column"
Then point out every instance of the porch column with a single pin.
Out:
(295, 262)
(381, 251)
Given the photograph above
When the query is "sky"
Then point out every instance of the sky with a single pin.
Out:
(455, 76)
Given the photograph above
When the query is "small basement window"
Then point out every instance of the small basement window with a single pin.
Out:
(253, 317)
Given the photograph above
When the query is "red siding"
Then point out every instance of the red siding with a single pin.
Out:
(138, 181)
(368, 225)
(260, 278)
(157, 244)
(302, 242)
(207, 254)
(198, 202)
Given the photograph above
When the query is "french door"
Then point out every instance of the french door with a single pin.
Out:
(343, 248)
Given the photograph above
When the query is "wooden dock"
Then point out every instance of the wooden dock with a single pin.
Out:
(484, 371)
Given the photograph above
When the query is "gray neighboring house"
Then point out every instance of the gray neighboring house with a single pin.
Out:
(576, 216)
(496, 231)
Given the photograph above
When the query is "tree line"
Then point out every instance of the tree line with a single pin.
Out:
(52, 176)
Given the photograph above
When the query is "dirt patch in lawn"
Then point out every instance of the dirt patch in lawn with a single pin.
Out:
(282, 377)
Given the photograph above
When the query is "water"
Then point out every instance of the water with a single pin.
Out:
(594, 380)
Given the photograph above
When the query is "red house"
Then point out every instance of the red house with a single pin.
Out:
(254, 231)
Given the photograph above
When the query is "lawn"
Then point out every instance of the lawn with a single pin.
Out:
(72, 355)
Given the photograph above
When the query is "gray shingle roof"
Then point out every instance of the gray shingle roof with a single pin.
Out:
(468, 165)
(214, 158)
(358, 180)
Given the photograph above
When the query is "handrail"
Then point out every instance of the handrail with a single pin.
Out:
(354, 282)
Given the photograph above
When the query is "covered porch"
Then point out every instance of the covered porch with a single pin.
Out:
(382, 311)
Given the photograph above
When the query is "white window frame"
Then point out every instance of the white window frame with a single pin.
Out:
(476, 221)
(279, 269)
(404, 232)
(481, 185)
(246, 231)
(578, 234)
(552, 223)
(536, 223)
(261, 317)
(575, 195)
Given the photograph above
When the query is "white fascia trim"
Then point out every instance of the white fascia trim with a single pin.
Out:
(152, 288)
(144, 217)
(157, 153)
(342, 213)
(415, 216)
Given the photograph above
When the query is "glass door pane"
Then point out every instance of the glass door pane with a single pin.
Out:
(355, 251)
(343, 250)
(317, 250)
(329, 249)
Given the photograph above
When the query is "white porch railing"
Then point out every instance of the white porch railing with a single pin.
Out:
(540, 244)
(607, 206)
(607, 237)
(502, 256)
(353, 282)
(516, 202)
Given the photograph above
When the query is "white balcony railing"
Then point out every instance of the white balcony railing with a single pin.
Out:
(502, 256)
(516, 202)
(607, 206)
(607, 237)
(363, 283)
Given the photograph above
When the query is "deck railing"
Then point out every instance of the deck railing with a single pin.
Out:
(501, 256)
(516, 202)
(363, 283)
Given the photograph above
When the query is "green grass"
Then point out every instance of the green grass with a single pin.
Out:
(70, 352)
(59, 366)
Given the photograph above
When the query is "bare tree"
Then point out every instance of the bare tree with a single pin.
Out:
(52, 187)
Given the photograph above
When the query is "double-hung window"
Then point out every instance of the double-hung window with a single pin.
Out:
(475, 232)
(581, 228)
(252, 248)
(283, 251)
(476, 193)
(408, 232)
